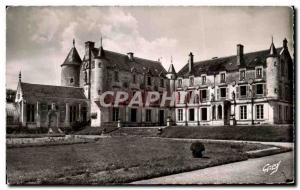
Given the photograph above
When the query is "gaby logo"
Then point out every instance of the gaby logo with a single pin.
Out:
(272, 168)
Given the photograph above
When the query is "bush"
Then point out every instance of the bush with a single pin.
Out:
(26, 130)
(197, 148)
(78, 125)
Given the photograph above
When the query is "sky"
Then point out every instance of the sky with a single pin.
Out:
(38, 39)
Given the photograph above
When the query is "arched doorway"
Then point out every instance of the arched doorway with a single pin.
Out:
(53, 119)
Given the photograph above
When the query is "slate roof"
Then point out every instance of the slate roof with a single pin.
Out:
(39, 90)
(171, 69)
(139, 65)
(73, 58)
(229, 63)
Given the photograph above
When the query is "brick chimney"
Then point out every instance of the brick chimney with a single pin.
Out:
(240, 54)
(191, 62)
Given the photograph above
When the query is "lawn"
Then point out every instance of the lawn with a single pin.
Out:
(115, 160)
(250, 133)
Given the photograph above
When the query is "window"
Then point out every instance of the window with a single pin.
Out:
(134, 79)
(259, 111)
(286, 116)
(222, 78)
(133, 114)
(243, 90)
(179, 83)
(148, 115)
(259, 73)
(30, 112)
(242, 75)
(149, 81)
(116, 76)
(203, 79)
(115, 114)
(203, 95)
(71, 80)
(279, 112)
(72, 114)
(93, 64)
(162, 83)
(220, 112)
(204, 114)
(243, 112)
(191, 115)
(213, 112)
(259, 89)
(180, 114)
(223, 92)
(191, 81)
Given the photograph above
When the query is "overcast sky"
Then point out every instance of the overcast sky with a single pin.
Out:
(39, 38)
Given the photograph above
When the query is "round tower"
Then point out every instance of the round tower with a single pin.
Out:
(272, 73)
(70, 69)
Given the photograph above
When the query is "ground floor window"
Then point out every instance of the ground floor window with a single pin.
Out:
(204, 114)
(148, 115)
(213, 112)
(191, 114)
(286, 113)
(259, 111)
(72, 113)
(133, 115)
(243, 112)
(220, 114)
(180, 114)
(115, 114)
(30, 112)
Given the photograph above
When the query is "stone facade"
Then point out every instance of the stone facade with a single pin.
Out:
(253, 88)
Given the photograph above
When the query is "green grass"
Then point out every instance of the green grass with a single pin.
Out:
(250, 133)
(115, 160)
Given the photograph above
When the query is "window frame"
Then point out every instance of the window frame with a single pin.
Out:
(203, 80)
(245, 95)
(180, 114)
(243, 112)
(223, 88)
(222, 80)
(257, 76)
(259, 115)
(262, 89)
(244, 76)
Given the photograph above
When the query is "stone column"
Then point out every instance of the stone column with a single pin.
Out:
(37, 117)
(67, 121)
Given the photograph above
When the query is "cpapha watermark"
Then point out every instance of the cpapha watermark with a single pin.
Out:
(271, 168)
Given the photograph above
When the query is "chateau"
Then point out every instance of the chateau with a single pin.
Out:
(246, 88)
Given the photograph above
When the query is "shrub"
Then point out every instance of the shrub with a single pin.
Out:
(78, 125)
(197, 148)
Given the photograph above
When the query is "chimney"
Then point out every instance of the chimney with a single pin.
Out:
(240, 54)
(191, 62)
(88, 48)
(130, 56)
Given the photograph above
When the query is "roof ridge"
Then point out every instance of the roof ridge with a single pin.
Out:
(51, 85)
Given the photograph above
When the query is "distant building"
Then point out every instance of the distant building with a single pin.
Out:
(252, 88)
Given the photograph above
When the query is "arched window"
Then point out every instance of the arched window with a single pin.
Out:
(213, 112)
(219, 112)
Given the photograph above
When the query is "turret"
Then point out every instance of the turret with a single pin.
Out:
(70, 68)
(171, 75)
(272, 72)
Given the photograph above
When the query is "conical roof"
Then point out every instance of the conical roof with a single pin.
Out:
(73, 57)
(171, 69)
(273, 50)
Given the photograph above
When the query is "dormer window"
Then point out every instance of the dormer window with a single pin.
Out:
(116, 76)
(258, 72)
(203, 80)
(222, 77)
(179, 83)
(191, 81)
(242, 75)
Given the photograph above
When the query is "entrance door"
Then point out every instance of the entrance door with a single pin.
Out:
(161, 117)
(133, 115)
(53, 120)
